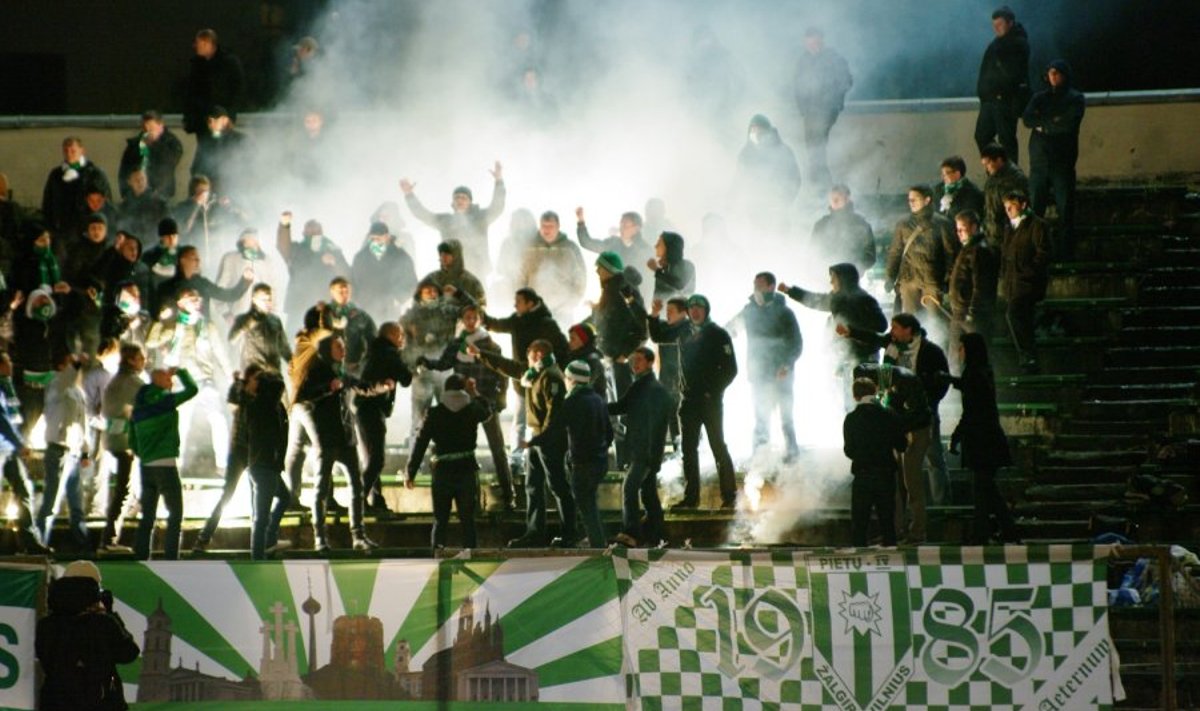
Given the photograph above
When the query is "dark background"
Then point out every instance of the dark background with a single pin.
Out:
(121, 56)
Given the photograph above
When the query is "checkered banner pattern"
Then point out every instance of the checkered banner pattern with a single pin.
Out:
(1015, 627)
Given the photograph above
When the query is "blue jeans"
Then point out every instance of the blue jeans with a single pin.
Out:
(267, 486)
(62, 466)
(158, 482)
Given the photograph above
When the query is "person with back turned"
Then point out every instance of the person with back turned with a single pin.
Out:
(872, 438)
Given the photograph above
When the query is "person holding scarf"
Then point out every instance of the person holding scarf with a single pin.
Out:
(956, 193)
(187, 274)
(384, 273)
(64, 197)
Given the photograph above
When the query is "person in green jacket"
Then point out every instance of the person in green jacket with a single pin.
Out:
(154, 436)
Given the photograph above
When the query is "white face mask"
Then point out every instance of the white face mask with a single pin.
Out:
(754, 137)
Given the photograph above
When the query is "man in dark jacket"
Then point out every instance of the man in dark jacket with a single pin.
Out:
(973, 280)
(80, 643)
(156, 152)
(490, 386)
(1003, 86)
(843, 235)
(1053, 117)
(64, 197)
(923, 249)
(1024, 274)
(1003, 178)
(773, 345)
(215, 78)
(384, 364)
(315, 260)
(620, 320)
(850, 305)
(141, 209)
(872, 439)
(628, 243)
(822, 80)
(544, 392)
(452, 426)
(648, 408)
(669, 334)
(904, 396)
(266, 418)
(589, 432)
(383, 273)
(907, 346)
(468, 222)
(355, 326)
(258, 334)
(709, 366)
(188, 276)
(222, 153)
(956, 192)
(768, 178)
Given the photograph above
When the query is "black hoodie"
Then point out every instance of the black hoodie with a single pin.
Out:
(1054, 116)
(849, 305)
(678, 276)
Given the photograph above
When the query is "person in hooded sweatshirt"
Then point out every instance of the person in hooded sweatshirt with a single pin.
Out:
(843, 235)
(773, 345)
(768, 177)
(1003, 86)
(589, 431)
(620, 320)
(247, 255)
(314, 260)
(849, 305)
(452, 277)
(468, 222)
(383, 272)
(80, 643)
(673, 275)
(490, 386)
(452, 427)
(1053, 117)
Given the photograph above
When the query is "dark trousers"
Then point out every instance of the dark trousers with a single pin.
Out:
(585, 482)
(495, 439)
(981, 324)
(622, 378)
(990, 502)
(455, 483)
(372, 435)
(62, 470)
(1055, 183)
(119, 484)
(328, 454)
(160, 482)
(673, 418)
(17, 477)
(641, 481)
(708, 412)
(234, 466)
(268, 488)
(546, 465)
(1020, 316)
(997, 122)
(817, 125)
(302, 433)
(771, 395)
(873, 491)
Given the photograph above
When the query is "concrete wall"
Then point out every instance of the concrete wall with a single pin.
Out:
(882, 146)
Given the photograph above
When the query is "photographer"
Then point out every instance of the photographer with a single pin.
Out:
(80, 643)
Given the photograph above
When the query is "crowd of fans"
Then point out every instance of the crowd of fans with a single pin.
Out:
(119, 342)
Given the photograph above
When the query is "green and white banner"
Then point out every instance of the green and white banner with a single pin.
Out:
(995, 628)
(945, 628)
(19, 585)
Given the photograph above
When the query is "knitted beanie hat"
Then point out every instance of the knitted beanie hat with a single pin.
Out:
(610, 262)
(579, 372)
(583, 331)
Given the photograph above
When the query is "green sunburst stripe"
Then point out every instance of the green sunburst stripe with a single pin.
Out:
(266, 583)
(355, 583)
(637, 568)
(568, 597)
(20, 587)
(139, 587)
(600, 659)
(423, 619)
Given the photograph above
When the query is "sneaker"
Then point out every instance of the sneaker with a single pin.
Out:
(624, 539)
(278, 546)
(321, 545)
(333, 507)
(728, 504)
(114, 548)
(362, 543)
(685, 505)
(528, 540)
(563, 542)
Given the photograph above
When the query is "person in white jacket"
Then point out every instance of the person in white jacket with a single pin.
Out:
(66, 450)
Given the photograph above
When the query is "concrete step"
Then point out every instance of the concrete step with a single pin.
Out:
(1147, 409)
(1099, 427)
(1161, 316)
(1146, 375)
(1157, 295)
(1075, 474)
(1074, 493)
(1140, 391)
(1171, 276)
(1134, 356)
(1181, 256)
(1173, 335)
(1080, 284)
(1115, 205)
(1087, 442)
(1093, 458)
(1062, 390)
